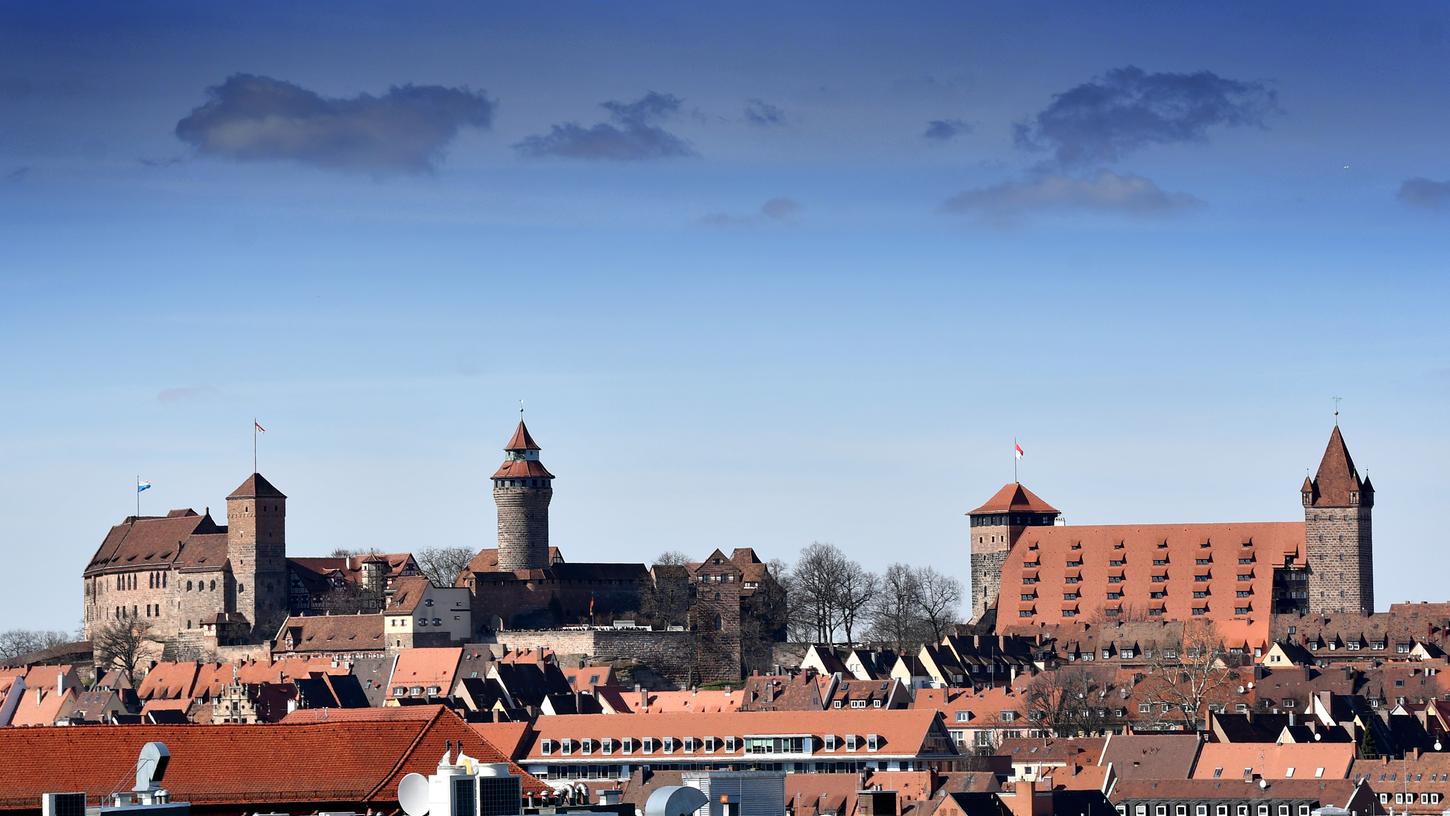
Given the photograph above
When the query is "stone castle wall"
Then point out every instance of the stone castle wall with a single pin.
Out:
(987, 562)
(671, 654)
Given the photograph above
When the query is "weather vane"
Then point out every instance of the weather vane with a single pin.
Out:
(1336, 408)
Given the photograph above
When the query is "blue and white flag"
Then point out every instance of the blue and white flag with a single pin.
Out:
(140, 486)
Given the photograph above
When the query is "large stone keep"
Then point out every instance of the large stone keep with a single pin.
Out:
(1337, 535)
(996, 526)
(522, 488)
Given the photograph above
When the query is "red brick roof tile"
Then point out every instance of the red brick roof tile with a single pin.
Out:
(1014, 497)
(1336, 478)
(348, 761)
(521, 440)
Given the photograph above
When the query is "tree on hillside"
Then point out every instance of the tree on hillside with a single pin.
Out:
(818, 575)
(854, 594)
(939, 600)
(18, 642)
(1070, 702)
(443, 565)
(673, 558)
(1184, 678)
(122, 645)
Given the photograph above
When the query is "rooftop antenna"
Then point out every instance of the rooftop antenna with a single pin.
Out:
(1336, 410)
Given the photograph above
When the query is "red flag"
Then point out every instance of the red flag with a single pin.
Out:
(260, 429)
(1017, 448)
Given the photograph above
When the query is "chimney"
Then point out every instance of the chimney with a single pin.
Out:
(1026, 800)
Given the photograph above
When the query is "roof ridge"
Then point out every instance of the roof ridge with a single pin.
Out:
(403, 758)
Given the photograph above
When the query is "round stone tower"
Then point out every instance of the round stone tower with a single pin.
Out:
(522, 488)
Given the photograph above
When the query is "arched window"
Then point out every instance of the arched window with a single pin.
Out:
(213, 585)
(188, 586)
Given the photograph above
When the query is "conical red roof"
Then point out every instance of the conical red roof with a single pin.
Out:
(1014, 497)
(1337, 477)
(521, 440)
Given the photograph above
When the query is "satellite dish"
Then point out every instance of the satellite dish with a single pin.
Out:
(413, 794)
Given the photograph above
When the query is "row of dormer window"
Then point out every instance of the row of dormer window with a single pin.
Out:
(709, 745)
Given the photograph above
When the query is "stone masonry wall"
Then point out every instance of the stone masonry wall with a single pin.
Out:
(523, 527)
(986, 577)
(671, 654)
(1340, 552)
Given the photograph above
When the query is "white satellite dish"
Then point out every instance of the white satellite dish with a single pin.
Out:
(413, 794)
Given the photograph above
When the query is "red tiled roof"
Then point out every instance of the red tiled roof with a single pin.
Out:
(169, 681)
(350, 567)
(1337, 477)
(330, 634)
(487, 561)
(41, 706)
(902, 732)
(343, 761)
(1309, 760)
(1053, 547)
(522, 469)
(407, 594)
(426, 667)
(157, 541)
(256, 487)
(507, 737)
(1014, 497)
(521, 440)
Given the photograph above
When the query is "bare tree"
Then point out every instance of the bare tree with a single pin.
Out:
(122, 644)
(20, 642)
(443, 565)
(665, 596)
(1182, 679)
(1071, 702)
(818, 576)
(896, 612)
(854, 594)
(940, 600)
(673, 558)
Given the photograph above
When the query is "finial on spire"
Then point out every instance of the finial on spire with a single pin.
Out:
(1336, 409)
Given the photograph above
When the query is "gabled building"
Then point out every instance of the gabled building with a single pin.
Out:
(1033, 570)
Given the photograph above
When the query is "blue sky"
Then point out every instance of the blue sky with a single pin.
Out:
(750, 302)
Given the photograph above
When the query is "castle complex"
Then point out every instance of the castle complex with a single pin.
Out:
(1029, 569)
(201, 584)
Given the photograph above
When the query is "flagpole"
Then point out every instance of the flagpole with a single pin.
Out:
(1015, 460)
(138, 495)
(254, 444)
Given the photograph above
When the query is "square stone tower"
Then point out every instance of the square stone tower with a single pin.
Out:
(257, 551)
(1337, 538)
(996, 526)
